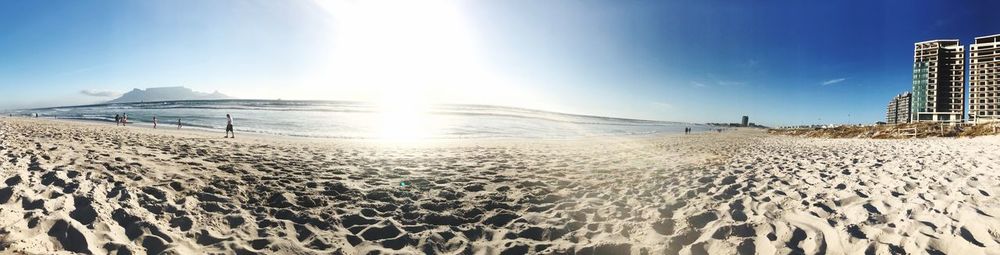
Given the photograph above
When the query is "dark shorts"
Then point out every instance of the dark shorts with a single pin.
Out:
(229, 127)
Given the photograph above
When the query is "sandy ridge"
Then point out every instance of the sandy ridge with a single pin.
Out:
(107, 190)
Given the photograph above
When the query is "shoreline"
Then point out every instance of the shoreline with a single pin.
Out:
(200, 132)
(345, 121)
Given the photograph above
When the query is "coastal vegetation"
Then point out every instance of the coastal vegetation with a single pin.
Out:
(898, 131)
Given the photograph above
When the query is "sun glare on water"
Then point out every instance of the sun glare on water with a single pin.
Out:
(403, 118)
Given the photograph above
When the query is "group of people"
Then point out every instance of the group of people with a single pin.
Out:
(688, 130)
(122, 119)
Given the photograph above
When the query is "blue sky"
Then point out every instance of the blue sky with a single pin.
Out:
(780, 62)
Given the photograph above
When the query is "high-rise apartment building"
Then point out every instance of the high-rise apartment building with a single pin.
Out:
(898, 111)
(984, 78)
(938, 81)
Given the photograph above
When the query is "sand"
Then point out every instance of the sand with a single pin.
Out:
(96, 188)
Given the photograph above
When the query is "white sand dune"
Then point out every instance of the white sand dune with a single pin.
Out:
(72, 187)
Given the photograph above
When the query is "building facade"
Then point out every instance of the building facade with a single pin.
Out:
(938, 81)
(984, 78)
(746, 121)
(898, 111)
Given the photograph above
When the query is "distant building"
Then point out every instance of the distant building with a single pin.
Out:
(898, 111)
(746, 121)
(984, 78)
(938, 81)
(891, 111)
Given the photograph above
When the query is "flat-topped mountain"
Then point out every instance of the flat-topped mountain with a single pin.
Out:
(166, 94)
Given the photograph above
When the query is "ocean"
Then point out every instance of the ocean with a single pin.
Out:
(344, 119)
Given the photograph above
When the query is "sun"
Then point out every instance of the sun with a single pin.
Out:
(407, 56)
(404, 56)
(382, 46)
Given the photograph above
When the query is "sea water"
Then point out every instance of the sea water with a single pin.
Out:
(343, 119)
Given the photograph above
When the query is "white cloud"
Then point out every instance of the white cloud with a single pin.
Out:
(731, 83)
(663, 105)
(833, 81)
(698, 84)
(96, 93)
(724, 82)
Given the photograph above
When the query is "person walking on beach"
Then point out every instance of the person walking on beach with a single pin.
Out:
(154, 121)
(178, 123)
(118, 119)
(124, 119)
(229, 126)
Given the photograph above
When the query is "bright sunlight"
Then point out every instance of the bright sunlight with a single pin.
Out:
(407, 56)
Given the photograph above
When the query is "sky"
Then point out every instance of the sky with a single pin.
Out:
(779, 62)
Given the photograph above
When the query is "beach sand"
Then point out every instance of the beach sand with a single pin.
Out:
(96, 188)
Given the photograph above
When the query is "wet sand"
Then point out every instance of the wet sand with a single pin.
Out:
(101, 189)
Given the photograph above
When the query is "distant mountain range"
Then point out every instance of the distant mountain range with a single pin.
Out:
(166, 94)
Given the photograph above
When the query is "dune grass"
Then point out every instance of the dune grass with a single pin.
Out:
(898, 131)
